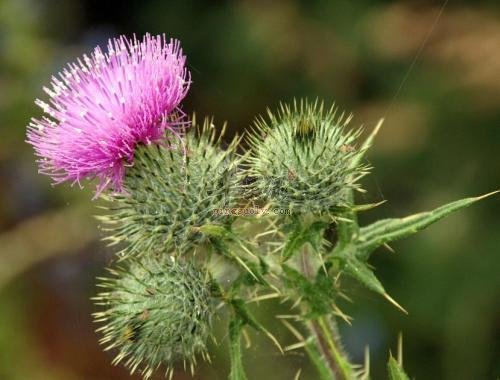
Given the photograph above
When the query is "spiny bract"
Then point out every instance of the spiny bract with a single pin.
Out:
(157, 311)
(170, 193)
(304, 159)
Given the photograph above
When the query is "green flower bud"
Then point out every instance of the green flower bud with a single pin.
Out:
(157, 311)
(304, 159)
(170, 192)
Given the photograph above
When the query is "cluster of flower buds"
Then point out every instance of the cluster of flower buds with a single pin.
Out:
(116, 116)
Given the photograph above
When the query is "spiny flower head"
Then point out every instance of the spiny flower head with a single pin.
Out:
(303, 159)
(156, 311)
(170, 193)
(103, 106)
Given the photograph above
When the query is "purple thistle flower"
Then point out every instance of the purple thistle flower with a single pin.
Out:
(104, 105)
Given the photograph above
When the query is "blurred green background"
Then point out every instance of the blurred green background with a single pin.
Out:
(440, 142)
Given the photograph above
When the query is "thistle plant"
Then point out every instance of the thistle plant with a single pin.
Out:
(172, 201)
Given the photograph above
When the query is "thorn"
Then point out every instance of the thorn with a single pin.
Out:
(296, 317)
(391, 300)
(244, 265)
(275, 288)
(264, 297)
(297, 375)
(486, 195)
(366, 365)
(242, 246)
(369, 206)
(292, 329)
(274, 340)
(344, 219)
(377, 127)
(400, 349)
(389, 248)
(295, 346)
(345, 297)
(342, 315)
(246, 337)
(258, 236)
(296, 303)
(369, 140)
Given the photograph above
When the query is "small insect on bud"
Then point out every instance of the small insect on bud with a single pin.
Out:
(305, 127)
(156, 311)
(170, 193)
(307, 159)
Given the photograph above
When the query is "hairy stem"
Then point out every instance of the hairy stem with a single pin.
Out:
(324, 331)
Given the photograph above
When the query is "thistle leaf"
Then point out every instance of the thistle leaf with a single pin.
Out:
(387, 230)
(361, 272)
(320, 295)
(220, 246)
(256, 276)
(395, 370)
(311, 234)
(247, 318)
(214, 230)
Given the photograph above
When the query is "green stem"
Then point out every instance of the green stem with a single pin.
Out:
(327, 341)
